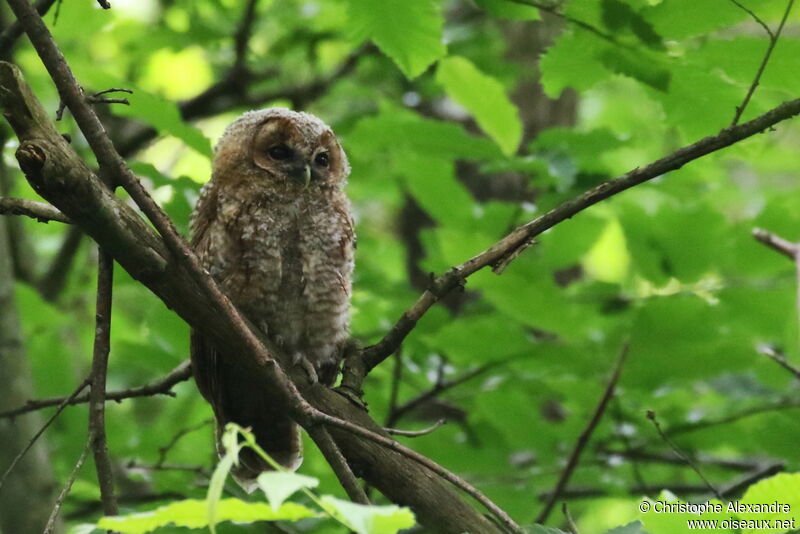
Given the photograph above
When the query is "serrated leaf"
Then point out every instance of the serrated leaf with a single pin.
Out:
(408, 31)
(509, 10)
(485, 98)
(639, 67)
(397, 127)
(566, 63)
(192, 513)
(279, 486)
(369, 519)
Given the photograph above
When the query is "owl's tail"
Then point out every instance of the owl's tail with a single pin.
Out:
(240, 397)
(278, 435)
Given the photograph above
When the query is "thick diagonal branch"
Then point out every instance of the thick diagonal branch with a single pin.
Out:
(59, 175)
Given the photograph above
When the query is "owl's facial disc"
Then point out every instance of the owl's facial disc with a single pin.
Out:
(281, 149)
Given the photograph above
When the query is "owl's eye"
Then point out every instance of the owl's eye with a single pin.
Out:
(280, 152)
(322, 159)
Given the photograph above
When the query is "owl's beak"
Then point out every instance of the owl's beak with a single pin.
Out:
(302, 173)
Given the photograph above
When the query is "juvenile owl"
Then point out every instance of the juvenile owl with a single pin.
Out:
(273, 227)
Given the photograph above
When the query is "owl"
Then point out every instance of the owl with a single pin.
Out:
(274, 228)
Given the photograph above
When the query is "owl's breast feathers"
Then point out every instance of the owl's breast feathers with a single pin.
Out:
(286, 260)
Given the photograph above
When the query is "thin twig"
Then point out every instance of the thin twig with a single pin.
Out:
(416, 433)
(163, 451)
(338, 463)
(97, 395)
(30, 208)
(161, 386)
(585, 435)
(779, 357)
(438, 388)
(356, 368)
(755, 18)
(777, 405)
(773, 40)
(38, 434)
(243, 33)
(683, 456)
(733, 488)
(787, 248)
(14, 31)
(51, 522)
(553, 10)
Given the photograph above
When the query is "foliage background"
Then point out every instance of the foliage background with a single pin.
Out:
(468, 119)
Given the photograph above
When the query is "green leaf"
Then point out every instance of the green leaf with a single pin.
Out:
(485, 98)
(408, 31)
(369, 519)
(568, 63)
(638, 66)
(506, 9)
(217, 483)
(542, 529)
(192, 513)
(783, 488)
(433, 184)
(682, 18)
(279, 485)
(396, 127)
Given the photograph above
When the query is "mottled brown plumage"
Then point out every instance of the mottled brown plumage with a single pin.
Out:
(273, 227)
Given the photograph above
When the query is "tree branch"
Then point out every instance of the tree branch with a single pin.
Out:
(59, 175)
(356, 367)
(683, 456)
(162, 386)
(338, 463)
(773, 40)
(40, 211)
(779, 357)
(97, 396)
(44, 427)
(583, 438)
(51, 522)
(15, 31)
(778, 244)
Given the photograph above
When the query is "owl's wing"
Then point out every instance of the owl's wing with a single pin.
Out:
(204, 355)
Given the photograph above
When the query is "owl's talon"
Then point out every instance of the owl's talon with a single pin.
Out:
(299, 359)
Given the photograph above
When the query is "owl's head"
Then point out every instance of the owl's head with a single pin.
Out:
(280, 145)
